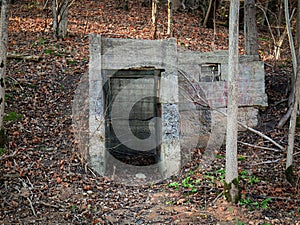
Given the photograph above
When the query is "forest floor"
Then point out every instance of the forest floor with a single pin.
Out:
(42, 180)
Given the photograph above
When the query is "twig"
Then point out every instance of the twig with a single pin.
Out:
(45, 5)
(285, 117)
(219, 195)
(297, 153)
(267, 20)
(269, 65)
(261, 134)
(283, 198)
(92, 171)
(261, 147)
(14, 80)
(27, 197)
(204, 102)
(267, 162)
(31, 206)
(34, 58)
(4, 157)
(114, 173)
(281, 101)
(49, 205)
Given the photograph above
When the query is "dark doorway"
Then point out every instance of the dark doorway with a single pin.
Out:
(139, 90)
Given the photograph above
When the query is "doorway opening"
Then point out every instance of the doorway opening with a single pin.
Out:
(139, 89)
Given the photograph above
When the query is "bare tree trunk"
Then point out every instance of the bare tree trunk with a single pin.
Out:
(231, 189)
(3, 47)
(295, 64)
(55, 18)
(154, 19)
(42, 4)
(60, 10)
(290, 36)
(208, 12)
(298, 29)
(170, 12)
(292, 128)
(177, 4)
(280, 15)
(295, 96)
(250, 28)
(63, 19)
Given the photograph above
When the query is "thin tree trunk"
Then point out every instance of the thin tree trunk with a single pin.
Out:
(154, 19)
(55, 20)
(295, 64)
(208, 12)
(215, 26)
(292, 128)
(279, 13)
(263, 19)
(170, 12)
(60, 10)
(231, 189)
(250, 29)
(3, 48)
(290, 36)
(63, 20)
(298, 29)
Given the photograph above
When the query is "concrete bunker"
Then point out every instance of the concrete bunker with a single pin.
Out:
(143, 120)
(133, 109)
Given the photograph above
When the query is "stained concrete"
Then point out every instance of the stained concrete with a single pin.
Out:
(189, 86)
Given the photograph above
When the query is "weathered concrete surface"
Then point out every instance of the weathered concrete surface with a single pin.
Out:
(212, 87)
(187, 119)
(109, 55)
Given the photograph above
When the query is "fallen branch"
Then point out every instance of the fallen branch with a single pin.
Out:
(267, 162)
(4, 157)
(261, 147)
(26, 195)
(203, 102)
(24, 57)
(261, 134)
(219, 195)
(285, 117)
(45, 5)
(297, 153)
(281, 101)
(31, 206)
(48, 205)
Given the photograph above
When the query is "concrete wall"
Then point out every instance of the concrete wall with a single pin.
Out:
(186, 77)
(107, 56)
(212, 88)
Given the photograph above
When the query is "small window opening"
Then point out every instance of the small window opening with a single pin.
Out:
(210, 72)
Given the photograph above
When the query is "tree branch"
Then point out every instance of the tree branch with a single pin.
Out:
(203, 102)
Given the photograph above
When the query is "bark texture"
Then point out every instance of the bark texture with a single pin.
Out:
(154, 19)
(60, 10)
(250, 28)
(170, 12)
(3, 48)
(231, 176)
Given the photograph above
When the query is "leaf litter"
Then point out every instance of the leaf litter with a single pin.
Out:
(42, 179)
